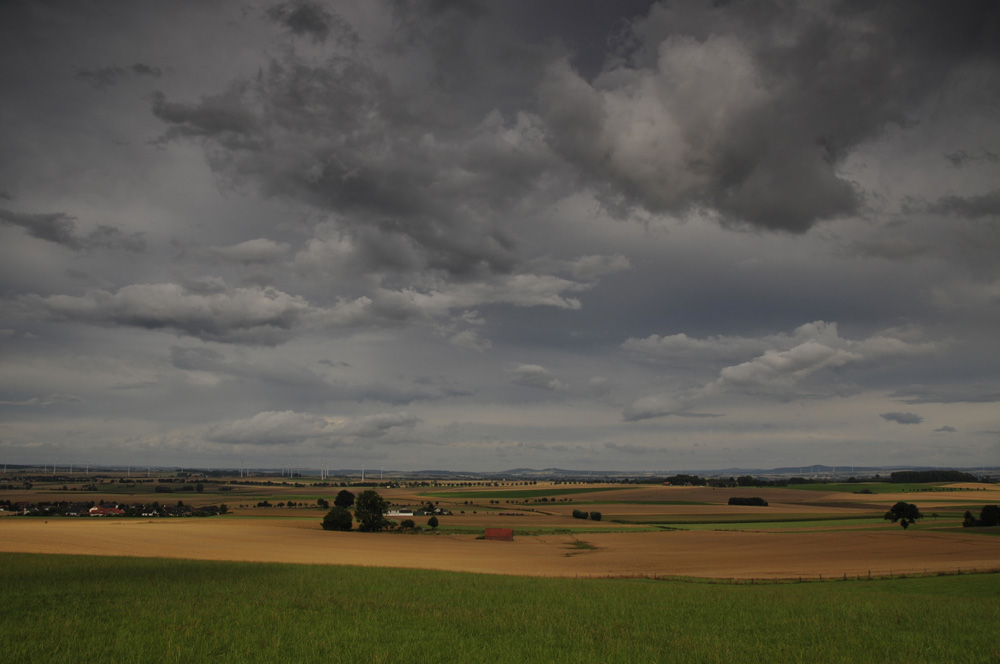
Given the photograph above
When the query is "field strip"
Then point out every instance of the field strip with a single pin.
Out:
(677, 553)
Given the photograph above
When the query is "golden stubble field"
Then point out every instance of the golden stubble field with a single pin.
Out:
(291, 536)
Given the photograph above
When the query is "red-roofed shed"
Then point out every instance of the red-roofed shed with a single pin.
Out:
(500, 534)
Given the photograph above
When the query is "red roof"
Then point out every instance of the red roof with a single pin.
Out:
(501, 534)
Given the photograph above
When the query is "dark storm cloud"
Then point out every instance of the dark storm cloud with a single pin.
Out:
(312, 19)
(748, 110)
(60, 228)
(947, 394)
(533, 375)
(417, 171)
(960, 158)
(108, 76)
(902, 418)
(333, 136)
(303, 384)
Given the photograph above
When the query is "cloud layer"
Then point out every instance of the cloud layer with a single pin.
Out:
(500, 234)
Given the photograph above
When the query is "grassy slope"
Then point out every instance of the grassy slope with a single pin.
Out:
(70, 609)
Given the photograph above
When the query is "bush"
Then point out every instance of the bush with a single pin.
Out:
(755, 501)
(337, 518)
(595, 516)
(580, 514)
(407, 524)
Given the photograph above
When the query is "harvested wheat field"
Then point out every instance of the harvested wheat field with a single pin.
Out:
(681, 553)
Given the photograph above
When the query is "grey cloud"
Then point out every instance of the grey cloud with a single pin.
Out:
(140, 69)
(776, 347)
(533, 375)
(592, 268)
(60, 228)
(710, 110)
(255, 316)
(196, 359)
(625, 448)
(222, 118)
(902, 418)
(971, 207)
(946, 429)
(46, 400)
(304, 383)
(102, 78)
(678, 404)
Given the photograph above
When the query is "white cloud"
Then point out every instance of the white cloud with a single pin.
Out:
(810, 349)
(294, 428)
(264, 316)
(260, 250)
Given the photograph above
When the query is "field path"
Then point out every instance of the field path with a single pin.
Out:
(679, 553)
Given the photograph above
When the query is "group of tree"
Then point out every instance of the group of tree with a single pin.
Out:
(369, 512)
(69, 509)
(988, 516)
(920, 476)
(582, 514)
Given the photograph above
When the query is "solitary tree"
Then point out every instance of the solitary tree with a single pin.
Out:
(337, 518)
(905, 513)
(432, 522)
(344, 499)
(369, 510)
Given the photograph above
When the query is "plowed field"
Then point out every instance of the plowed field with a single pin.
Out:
(675, 553)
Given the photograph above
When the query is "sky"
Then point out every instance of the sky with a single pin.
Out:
(648, 236)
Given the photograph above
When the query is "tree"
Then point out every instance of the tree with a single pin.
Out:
(369, 510)
(344, 499)
(337, 518)
(990, 515)
(323, 502)
(432, 522)
(408, 524)
(905, 513)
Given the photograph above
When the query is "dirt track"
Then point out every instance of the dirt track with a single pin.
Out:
(678, 553)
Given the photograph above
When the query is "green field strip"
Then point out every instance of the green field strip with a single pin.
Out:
(174, 611)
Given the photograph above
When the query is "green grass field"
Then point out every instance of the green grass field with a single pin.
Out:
(73, 609)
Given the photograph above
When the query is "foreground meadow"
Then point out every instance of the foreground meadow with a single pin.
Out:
(85, 608)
